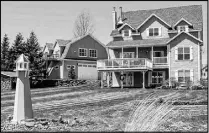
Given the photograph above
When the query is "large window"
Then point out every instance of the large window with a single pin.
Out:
(183, 53)
(154, 32)
(157, 77)
(82, 52)
(183, 75)
(92, 52)
(127, 55)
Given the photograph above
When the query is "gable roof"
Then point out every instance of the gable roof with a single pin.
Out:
(145, 42)
(152, 15)
(172, 15)
(22, 58)
(182, 19)
(75, 40)
(125, 25)
(179, 34)
(50, 46)
(62, 42)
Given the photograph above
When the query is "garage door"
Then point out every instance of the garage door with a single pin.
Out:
(87, 71)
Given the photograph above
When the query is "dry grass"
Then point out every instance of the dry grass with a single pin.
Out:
(150, 112)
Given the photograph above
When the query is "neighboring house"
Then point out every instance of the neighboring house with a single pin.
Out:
(8, 80)
(151, 46)
(205, 72)
(81, 54)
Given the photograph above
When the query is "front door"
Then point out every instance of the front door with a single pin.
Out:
(128, 79)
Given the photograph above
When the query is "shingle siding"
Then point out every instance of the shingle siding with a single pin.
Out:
(184, 40)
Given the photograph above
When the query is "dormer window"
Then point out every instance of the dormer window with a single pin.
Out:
(126, 33)
(184, 28)
(152, 32)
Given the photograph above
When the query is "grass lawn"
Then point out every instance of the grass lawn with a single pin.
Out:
(108, 109)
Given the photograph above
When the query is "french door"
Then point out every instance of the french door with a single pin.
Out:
(128, 79)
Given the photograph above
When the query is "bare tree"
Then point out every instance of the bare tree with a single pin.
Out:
(83, 24)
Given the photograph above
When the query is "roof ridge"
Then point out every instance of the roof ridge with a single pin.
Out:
(162, 8)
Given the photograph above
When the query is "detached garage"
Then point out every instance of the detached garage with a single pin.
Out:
(87, 71)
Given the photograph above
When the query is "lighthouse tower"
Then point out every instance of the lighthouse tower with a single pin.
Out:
(22, 104)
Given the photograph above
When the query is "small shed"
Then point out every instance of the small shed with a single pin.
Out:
(8, 80)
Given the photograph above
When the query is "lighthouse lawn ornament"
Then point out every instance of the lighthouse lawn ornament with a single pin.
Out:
(23, 105)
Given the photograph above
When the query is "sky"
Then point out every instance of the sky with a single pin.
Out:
(51, 20)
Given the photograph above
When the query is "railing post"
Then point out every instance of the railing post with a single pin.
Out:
(112, 64)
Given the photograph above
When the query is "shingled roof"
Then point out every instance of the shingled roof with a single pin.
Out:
(62, 42)
(50, 46)
(192, 13)
(145, 42)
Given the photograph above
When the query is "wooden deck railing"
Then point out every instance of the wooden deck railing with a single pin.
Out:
(126, 63)
(53, 56)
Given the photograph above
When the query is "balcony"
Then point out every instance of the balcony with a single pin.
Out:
(124, 64)
(160, 62)
(51, 57)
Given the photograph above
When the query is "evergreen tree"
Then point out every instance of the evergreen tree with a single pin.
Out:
(5, 53)
(32, 49)
(15, 50)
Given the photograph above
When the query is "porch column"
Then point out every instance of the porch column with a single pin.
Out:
(108, 79)
(143, 79)
(108, 55)
(122, 56)
(102, 84)
(137, 52)
(121, 81)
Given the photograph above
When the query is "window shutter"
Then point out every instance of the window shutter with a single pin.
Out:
(147, 31)
(176, 53)
(160, 31)
(178, 28)
(163, 76)
(192, 75)
(191, 53)
(176, 75)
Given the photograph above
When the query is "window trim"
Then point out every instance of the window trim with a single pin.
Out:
(185, 26)
(159, 33)
(123, 33)
(184, 53)
(79, 52)
(183, 75)
(90, 52)
(163, 73)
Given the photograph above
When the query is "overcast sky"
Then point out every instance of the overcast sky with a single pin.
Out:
(55, 20)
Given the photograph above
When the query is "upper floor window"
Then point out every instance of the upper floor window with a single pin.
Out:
(82, 52)
(154, 32)
(183, 28)
(92, 53)
(126, 33)
(183, 53)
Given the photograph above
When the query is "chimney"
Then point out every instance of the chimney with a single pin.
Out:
(121, 17)
(114, 15)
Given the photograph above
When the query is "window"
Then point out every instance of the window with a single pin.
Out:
(183, 75)
(158, 53)
(183, 28)
(183, 53)
(25, 65)
(154, 31)
(157, 77)
(82, 52)
(126, 33)
(20, 65)
(92, 52)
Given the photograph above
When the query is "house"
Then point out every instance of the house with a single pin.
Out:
(8, 80)
(205, 72)
(149, 47)
(80, 53)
